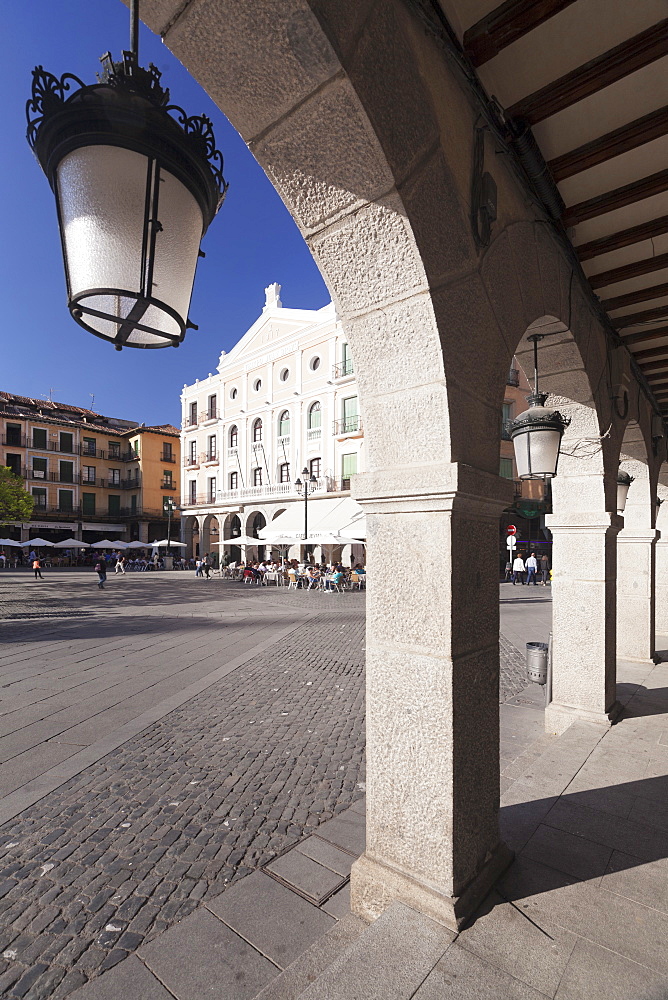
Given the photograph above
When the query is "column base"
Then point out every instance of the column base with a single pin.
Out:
(374, 886)
(558, 717)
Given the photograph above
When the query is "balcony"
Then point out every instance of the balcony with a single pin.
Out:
(167, 484)
(126, 456)
(284, 441)
(211, 458)
(232, 452)
(191, 463)
(14, 441)
(167, 457)
(348, 425)
(325, 485)
(343, 369)
(513, 378)
(128, 484)
(314, 434)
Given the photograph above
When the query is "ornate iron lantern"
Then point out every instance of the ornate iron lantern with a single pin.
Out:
(536, 434)
(137, 183)
(624, 481)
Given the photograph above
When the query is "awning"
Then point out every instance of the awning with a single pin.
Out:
(325, 517)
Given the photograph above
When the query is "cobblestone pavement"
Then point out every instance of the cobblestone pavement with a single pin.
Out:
(212, 791)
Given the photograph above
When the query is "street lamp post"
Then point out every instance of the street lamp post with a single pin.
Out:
(309, 481)
(171, 507)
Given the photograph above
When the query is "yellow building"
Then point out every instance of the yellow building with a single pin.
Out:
(90, 476)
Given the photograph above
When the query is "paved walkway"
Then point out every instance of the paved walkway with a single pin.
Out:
(163, 739)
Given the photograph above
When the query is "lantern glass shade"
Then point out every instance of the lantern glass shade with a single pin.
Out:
(129, 280)
(536, 435)
(624, 481)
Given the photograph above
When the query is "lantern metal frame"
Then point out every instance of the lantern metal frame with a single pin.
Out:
(533, 420)
(128, 108)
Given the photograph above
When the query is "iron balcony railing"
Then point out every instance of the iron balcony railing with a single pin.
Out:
(14, 441)
(343, 369)
(167, 457)
(347, 425)
(326, 484)
(167, 484)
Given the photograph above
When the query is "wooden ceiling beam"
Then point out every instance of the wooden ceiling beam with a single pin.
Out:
(621, 140)
(639, 295)
(628, 194)
(592, 76)
(646, 335)
(505, 24)
(633, 270)
(654, 366)
(646, 316)
(651, 353)
(624, 238)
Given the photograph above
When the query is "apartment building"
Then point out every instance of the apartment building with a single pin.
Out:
(90, 476)
(284, 399)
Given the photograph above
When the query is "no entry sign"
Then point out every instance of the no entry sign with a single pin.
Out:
(511, 529)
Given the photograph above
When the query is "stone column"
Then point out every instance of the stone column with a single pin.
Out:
(661, 565)
(143, 532)
(636, 554)
(584, 676)
(204, 540)
(432, 696)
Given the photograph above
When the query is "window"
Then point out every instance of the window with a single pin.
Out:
(284, 424)
(285, 375)
(233, 393)
(257, 477)
(314, 363)
(14, 463)
(193, 414)
(39, 497)
(114, 477)
(88, 503)
(38, 468)
(66, 442)
(234, 480)
(234, 436)
(114, 449)
(212, 408)
(350, 416)
(39, 438)
(348, 469)
(66, 500)
(88, 474)
(167, 477)
(506, 468)
(114, 504)
(89, 446)
(13, 437)
(133, 503)
(211, 448)
(346, 360)
(257, 430)
(257, 384)
(211, 489)
(314, 416)
(314, 467)
(135, 446)
(192, 452)
(284, 473)
(167, 454)
(66, 473)
(192, 490)
(507, 416)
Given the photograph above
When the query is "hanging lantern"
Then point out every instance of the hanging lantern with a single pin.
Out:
(137, 183)
(658, 503)
(624, 481)
(536, 434)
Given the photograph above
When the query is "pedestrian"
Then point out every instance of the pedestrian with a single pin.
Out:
(518, 570)
(120, 565)
(3, 559)
(532, 569)
(206, 566)
(198, 567)
(544, 568)
(101, 570)
(37, 566)
(509, 570)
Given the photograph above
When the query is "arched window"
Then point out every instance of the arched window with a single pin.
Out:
(284, 424)
(257, 430)
(314, 416)
(234, 436)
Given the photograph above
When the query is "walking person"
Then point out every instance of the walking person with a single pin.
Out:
(544, 569)
(101, 570)
(198, 567)
(509, 571)
(37, 566)
(206, 566)
(120, 565)
(532, 569)
(518, 570)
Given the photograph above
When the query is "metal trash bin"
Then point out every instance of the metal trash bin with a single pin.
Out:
(537, 662)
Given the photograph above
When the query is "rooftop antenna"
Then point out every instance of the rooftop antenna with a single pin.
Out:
(49, 395)
(92, 399)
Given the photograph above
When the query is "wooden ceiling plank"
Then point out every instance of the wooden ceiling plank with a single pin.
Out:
(505, 24)
(651, 353)
(621, 140)
(646, 335)
(654, 366)
(661, 312)
(623, 238)
(632, 298)
(633, 270)
(592, 76)
(628, 194)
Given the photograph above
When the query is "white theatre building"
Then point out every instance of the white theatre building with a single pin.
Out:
(284, 399)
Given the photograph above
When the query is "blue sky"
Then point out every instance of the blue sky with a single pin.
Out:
(251, 243)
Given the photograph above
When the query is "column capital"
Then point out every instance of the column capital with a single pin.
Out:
(585, 522)
(446, 486)
(633, 537)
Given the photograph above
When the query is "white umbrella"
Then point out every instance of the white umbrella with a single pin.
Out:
(36, 543)
(242, 540)
(9, 541)
(137, 545)
(71, 543)
(106, 544)
(163, 543)
(282, 541)
(330, 540)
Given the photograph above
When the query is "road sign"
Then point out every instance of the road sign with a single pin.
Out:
(511, 542)
(511, 529)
